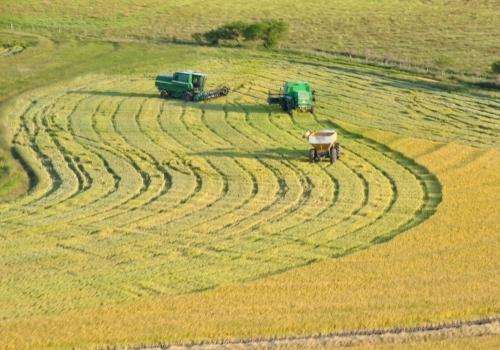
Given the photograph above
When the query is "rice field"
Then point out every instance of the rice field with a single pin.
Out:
(140, 202)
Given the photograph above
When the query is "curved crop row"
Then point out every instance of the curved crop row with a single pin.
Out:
(148, 196)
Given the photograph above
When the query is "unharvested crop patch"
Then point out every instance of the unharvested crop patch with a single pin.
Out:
(134, 196)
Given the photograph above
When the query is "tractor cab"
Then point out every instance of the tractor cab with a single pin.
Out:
(294, 95)
(198, 81)
(192, 79)
(301, 93)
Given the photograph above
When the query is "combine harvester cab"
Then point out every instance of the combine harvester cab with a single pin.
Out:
(294, 95)
(324, 144)
(187, 85)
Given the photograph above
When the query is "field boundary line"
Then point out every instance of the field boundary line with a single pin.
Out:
(394, 335)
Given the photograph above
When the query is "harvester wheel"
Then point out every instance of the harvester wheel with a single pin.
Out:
(312, 155)
(333, 155)
(188, 96)
(163, 94)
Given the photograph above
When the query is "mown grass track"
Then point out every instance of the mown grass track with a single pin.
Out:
(458, 35)
(138, 197)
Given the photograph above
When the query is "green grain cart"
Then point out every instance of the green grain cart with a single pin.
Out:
(294, 95)
(187, 85)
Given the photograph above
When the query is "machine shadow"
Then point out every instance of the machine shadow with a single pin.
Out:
(246, 108)
(278, 153)
(114, 93)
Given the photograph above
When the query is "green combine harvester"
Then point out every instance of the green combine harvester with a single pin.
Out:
(187, 85)
(294, 95)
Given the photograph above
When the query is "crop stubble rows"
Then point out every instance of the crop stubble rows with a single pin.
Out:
(139, 196)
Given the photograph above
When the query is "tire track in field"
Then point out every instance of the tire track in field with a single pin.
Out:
(393, 186)
(281, 231)
(337, 186)
(294, 136)
(254, 181)
(430, 185)
(366, 184)
(223, 188)
(54, 139)
(72, 214)
(278, 174)
(229, 185)
(159, 149)
(283, 187)
(111, 149)
(99, 144)
(396, 335)
(174, 156)
(307, 185)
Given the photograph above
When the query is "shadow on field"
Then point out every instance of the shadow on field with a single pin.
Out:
(231, 107)
(114, 93)
(278, 153)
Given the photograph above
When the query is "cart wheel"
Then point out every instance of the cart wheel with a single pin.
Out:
(312, 155)
(312, 110)
(333, 155)
(337, 148)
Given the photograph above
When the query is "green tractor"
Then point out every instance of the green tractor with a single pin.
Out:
(187, 85)
(295, 94)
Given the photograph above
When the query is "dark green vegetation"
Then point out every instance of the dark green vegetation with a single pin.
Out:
(268, 31)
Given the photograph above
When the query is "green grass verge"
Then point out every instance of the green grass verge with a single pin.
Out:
(458, 35)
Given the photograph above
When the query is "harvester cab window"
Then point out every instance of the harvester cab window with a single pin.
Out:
(197, 81)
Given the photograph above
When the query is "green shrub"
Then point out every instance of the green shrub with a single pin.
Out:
(253, 31)
(273, 31)
(269, 31)
(495, 67)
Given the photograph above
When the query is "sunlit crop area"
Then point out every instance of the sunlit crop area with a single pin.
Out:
(146, 208)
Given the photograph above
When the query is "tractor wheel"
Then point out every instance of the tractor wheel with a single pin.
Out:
(284, 106)
(312, 155)
(188, 96)
(224, 91)
(333, 155)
